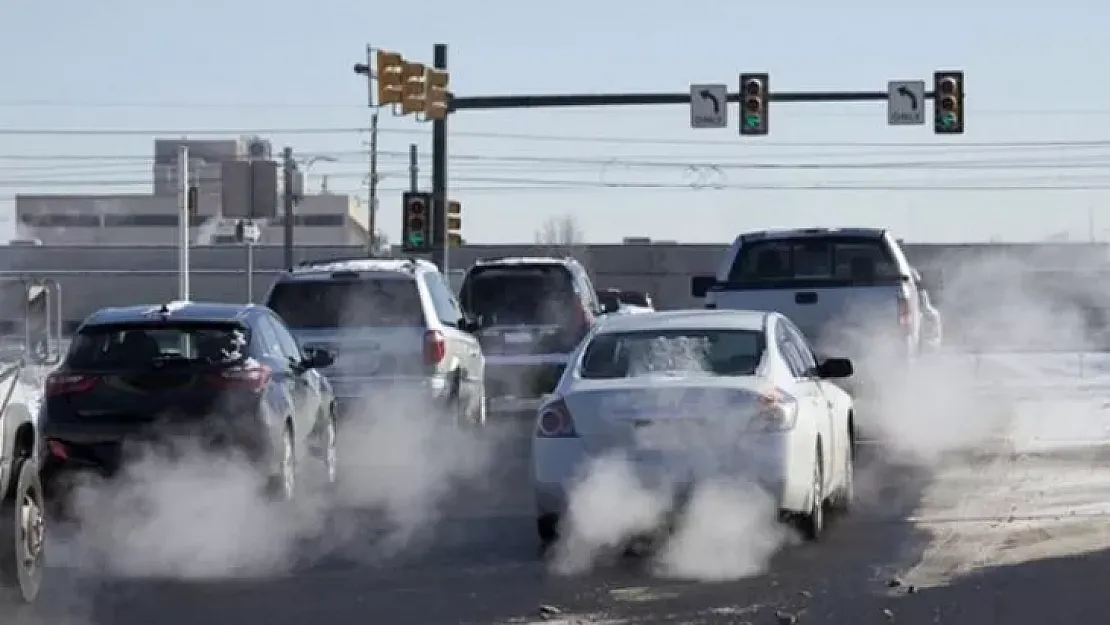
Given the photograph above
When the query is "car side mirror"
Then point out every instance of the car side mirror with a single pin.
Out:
(469, 323)
(608, 307)
(700, 285)
(834, 368)
(42, 321)
(317, 358)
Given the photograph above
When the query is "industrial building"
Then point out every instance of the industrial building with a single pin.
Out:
(221, 172)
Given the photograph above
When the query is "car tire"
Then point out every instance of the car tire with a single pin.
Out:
(478, 419)
(845, 497)
(812, 522)
(23, 533)
(282, 485)
(547, 528)
(326, 453)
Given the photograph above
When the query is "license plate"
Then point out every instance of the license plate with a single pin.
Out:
(658, 438)
(517, 337)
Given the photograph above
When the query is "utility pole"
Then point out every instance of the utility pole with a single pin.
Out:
(289, 200)
(372, 184)
(439, 174)
(183, 223)
(414, 169)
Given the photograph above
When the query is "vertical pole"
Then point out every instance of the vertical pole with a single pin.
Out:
(250, 272)
(414, 169)
(288, 200)
(372, 179)
(439, 175)
(372, 184)
(183, 224)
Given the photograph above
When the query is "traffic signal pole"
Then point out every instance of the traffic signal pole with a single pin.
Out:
(493, 102)
(439, 174)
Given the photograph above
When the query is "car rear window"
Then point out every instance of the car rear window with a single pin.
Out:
(519, 294)
(705, 352)
(839, 260)
(362, 303)
(132, 346)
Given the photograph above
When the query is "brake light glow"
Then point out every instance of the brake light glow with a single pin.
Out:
(435, 347)
(253, 377)
(68, 384)
(57, 449)
(554, 421)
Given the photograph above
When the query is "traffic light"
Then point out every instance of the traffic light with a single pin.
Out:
(391, 66)
(454, 223)
(436, 94)
(948, 108)
(754, 96)
(416, 222)
(412, 88)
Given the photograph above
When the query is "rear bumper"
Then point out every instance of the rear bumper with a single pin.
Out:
(105, 448)
(780, 464)
(517, 384)
(362, 394)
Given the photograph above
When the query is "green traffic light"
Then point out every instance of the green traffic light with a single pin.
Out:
(751, 121)
(948, 119)
(416, 239)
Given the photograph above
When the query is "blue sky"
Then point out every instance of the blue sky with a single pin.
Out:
(241, 65)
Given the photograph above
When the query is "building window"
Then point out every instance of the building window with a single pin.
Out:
(318, 221)
(60, 220)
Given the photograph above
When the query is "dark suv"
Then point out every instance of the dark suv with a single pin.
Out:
(531, 313)
(226, 376)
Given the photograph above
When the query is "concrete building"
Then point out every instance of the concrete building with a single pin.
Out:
(152, 218)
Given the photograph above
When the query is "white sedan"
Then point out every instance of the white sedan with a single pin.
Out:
(687, 395)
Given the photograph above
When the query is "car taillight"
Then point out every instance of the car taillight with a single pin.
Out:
(554, 421)
(777, 412)
(435, 347)
(68, 384)
(251, 377)
(905, 315)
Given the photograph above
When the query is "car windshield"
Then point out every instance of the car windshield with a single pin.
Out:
(387, 302)
(131, 346)
(702, 352)
(520, 295)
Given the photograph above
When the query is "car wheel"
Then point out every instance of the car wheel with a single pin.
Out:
(547, 527)
(479, 416)
(23, 533)
(329, 452)
(283, 485)
(812, 523)
(846, 495)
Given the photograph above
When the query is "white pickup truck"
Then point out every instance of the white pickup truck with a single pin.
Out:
(850, 290)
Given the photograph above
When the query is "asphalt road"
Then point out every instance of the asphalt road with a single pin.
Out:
(1002, 539)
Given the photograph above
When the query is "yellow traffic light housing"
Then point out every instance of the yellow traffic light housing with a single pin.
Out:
(948, 91)
(754, 91)
(454, 216)
(436, 94)
(412, 88)
(390, 80)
